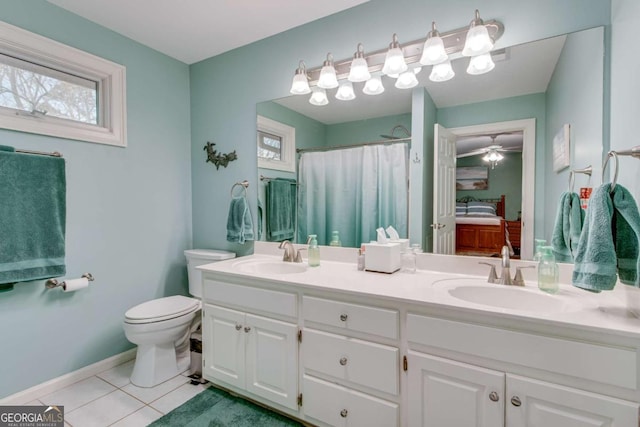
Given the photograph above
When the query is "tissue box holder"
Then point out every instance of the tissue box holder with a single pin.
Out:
(382, 257)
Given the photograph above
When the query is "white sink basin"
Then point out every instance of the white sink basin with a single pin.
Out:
(270, 267)
(518, 298)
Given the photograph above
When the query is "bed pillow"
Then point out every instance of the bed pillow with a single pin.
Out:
(481, 209)
(461, 209)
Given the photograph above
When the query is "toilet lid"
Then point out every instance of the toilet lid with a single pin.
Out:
(162, 309)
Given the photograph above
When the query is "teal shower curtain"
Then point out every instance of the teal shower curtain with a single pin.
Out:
(354, 191)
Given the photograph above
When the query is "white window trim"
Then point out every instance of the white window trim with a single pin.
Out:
(288, 135)
(111, 78)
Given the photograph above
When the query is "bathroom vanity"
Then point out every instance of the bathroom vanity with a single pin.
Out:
(333, 346)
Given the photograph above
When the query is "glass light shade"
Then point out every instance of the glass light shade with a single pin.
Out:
(480, 64)
(345, 92)
(327, 79)
(493, 157)
(407, 80)
(477, 42)
(300, 83)
(359, 71)
(318, 97)
(394, 62)
(433, 51)
(373, 86)
(442, 72)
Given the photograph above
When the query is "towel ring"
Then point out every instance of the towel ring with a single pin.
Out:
(615, 169)
(244, 184)
(572, 175)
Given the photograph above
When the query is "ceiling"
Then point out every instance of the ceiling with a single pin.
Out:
(193, 30)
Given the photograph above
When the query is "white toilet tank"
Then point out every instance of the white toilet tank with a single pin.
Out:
(196, 257)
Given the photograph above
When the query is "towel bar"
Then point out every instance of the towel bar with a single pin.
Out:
(40, 153)
(633, 152)
(244, 184)
(54, 283)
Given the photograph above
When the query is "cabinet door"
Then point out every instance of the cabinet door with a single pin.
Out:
(272, 360)
(536, 403)
(224, 345)
(447, 393)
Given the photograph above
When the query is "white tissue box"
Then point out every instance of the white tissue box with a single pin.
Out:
(382, 257)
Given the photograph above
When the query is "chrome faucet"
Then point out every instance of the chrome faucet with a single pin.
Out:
(290, 253)
(505, 276)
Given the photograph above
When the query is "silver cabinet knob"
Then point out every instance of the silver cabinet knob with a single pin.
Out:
(515, 401)
(493, 396)
(247, 328)
(343, 317)
(343, 361)
(238, 327)
(344, 413)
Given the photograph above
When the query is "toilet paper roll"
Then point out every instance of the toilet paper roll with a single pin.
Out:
(75, 284)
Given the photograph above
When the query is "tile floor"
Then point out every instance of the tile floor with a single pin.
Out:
(109, 399)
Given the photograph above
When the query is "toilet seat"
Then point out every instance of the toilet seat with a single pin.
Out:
(162, 309)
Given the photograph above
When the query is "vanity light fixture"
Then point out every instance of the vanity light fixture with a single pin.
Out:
(300, 84)
(328, 78)
(493, 157)
(478, 40)
(345, 92)
(433, 52)
(373, 86)
(394, 62)
(359, 71)
(480, 64)
(318, 97)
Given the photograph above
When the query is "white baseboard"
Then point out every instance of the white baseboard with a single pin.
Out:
(37, 391)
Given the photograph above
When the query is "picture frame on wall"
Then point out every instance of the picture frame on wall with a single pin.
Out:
(472, 178)
(561, 148)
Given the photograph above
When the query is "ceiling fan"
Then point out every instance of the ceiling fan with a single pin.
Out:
(492, 150)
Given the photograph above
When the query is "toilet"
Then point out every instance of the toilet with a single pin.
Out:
(161, 328)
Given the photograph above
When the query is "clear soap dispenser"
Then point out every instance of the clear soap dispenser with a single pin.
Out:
(314, 251)
(335, 239)
(548, 271)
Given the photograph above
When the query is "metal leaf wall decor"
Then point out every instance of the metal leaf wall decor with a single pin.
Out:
(219, 159)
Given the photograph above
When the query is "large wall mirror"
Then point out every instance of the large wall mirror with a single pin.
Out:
(534, 91)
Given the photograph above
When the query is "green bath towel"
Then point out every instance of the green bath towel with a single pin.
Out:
(32, 217)
(239, 222)
(568, 227)
(610, 241)
(7, 148)
(281, 209)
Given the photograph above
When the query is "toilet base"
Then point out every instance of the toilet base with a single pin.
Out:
(156, 364)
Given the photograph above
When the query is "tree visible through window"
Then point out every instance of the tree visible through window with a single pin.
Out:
(269, 146)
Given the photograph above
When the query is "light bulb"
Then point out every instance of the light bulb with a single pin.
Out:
(442, 72)
(345, 92)
(480, 64)
(478, 40)
(318, 97)
(300, 83)
(407, 80)
(373, 86)
(433, 51)
(359, 71)
(394, 62)
(328, 78)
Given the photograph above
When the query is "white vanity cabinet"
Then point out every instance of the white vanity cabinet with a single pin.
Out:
(251, 352)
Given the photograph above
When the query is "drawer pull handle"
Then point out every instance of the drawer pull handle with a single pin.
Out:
(247, 328)
(238, 327)
(343, 317)
(493, 396)
(515, 401)
(343, 361)
(344, 413)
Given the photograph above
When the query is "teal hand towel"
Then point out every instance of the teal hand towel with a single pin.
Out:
(567, 228)
(239, 222)
(7, 148)
(32, 217)
(609, 244)
(281, 208)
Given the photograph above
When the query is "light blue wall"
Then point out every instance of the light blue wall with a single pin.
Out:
(224, 111)
(575, 96)
(361, 131)
(128, 211)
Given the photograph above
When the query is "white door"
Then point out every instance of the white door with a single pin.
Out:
(223, 358)
(444, 192)
(272, 360)
(533, 403)
(443, 392)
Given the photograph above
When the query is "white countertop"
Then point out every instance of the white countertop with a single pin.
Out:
(603, 312)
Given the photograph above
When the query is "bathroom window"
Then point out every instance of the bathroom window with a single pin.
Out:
(276, 145)
(52, 89)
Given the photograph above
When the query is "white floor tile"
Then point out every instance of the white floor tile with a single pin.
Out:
(148, 395)
(142, 417)
(78, 394)
(104, 411)
(177, 397)
(118, 376)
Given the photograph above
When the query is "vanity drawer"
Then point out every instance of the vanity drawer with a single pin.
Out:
(617, 366)
(352, 317)
(250, 298)
(340, 406)
(361, 362)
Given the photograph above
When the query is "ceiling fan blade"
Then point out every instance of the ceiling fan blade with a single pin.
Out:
(472, 153)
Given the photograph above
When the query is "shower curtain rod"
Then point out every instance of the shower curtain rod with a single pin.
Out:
(340, 147)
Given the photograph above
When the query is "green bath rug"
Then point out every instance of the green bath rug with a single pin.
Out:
(217, 408)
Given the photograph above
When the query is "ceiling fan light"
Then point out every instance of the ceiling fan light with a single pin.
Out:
(478, 40)
(345, 92)
(328, 78)
(318, 97)
(433, 51)
(407, 80)
(394, 62)
(442, 72)
(480, 64)
(359, 71)
(300, 83)
(493, 156)
(373, 86)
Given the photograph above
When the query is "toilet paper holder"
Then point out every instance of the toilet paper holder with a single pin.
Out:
(54, 283)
